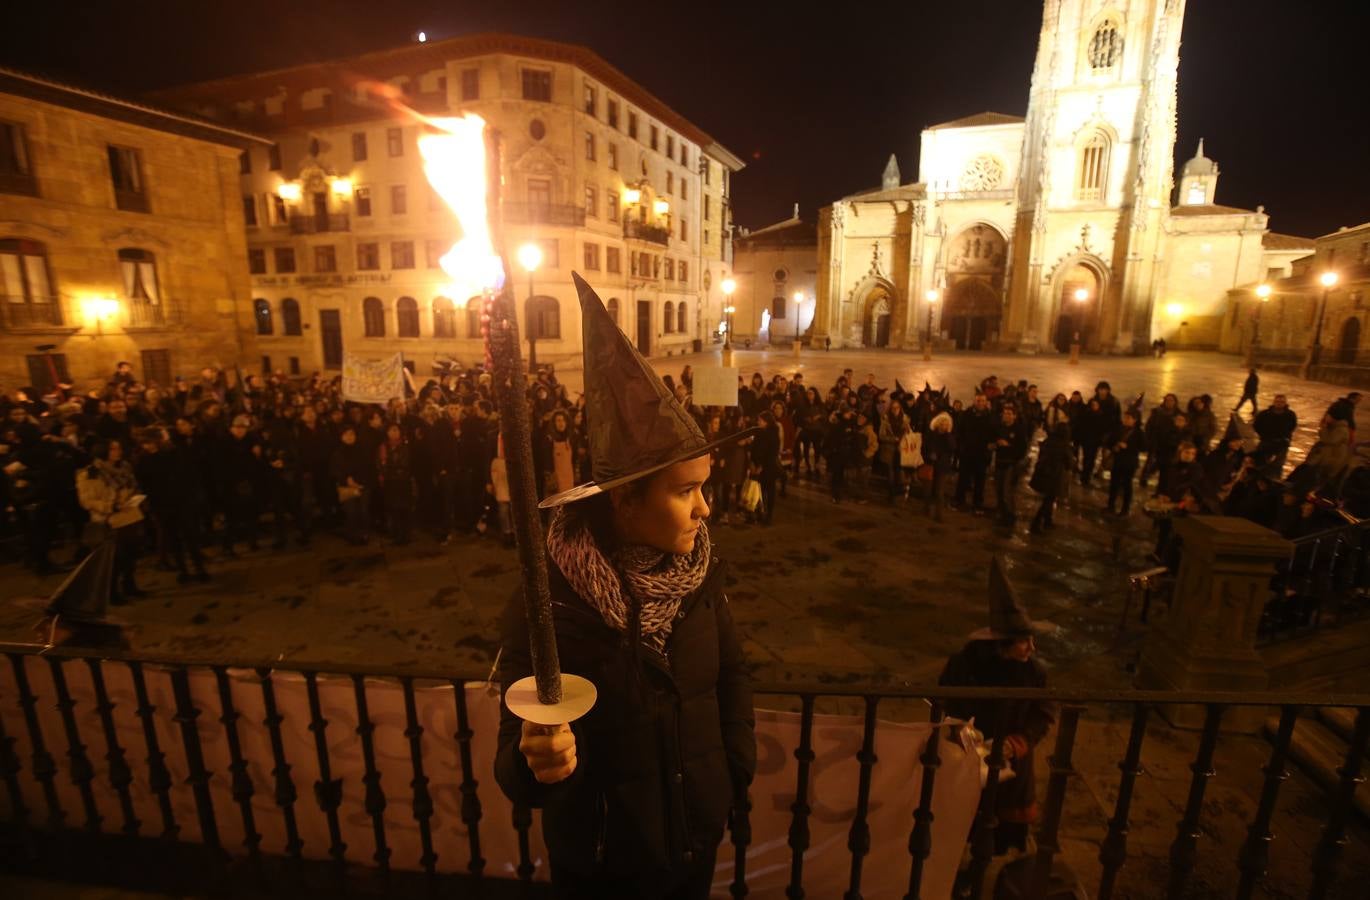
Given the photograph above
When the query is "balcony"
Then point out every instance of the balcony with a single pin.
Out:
(24, 312)
(544, 214)
(18, 183)
(319, 224)
(641, 231)
(145, 314)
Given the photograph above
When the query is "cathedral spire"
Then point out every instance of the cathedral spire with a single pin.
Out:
(890, 180)
(1200, 154)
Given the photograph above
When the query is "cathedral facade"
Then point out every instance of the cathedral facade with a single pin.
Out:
(1030, 234)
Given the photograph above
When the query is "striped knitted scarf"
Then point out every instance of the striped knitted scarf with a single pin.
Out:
(630, 573)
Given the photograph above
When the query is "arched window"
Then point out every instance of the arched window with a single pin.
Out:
(290, 316)
(1093, 179)
(544, 318)
(680, 318)
(668, 318)
(29, 298)
(1105, 47)
(444, 318)
(612, 307)
(139, 268)
(373, 317)
(261, 312)
(407, 314)
(475, 308)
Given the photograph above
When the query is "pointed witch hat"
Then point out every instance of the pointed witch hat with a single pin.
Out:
(635, 426)
(1008, 618)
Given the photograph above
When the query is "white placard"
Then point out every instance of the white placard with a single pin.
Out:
(715, 386)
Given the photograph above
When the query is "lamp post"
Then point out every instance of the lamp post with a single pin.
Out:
(1263, 294)
(728, 286)
(798, 309)
(931, 296)
(1327, 280)
(1081, 297)
(530, 257)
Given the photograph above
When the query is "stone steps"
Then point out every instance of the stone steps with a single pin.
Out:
(1319, 750)
(1342, 721)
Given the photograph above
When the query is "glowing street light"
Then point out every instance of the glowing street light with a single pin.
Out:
(289, 191)
(1328, 280)
(661, 207)
(1081, 295)
(1263, 294)
(530, 257)
(728, 286)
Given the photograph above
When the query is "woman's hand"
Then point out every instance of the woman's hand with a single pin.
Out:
(550, 751)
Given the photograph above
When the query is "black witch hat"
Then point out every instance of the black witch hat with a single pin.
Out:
(1008, 618)
(636, 427)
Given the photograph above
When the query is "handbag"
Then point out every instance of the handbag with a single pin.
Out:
(911, 450)
(750, 497)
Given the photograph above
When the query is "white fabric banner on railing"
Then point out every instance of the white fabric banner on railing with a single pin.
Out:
(833, 778)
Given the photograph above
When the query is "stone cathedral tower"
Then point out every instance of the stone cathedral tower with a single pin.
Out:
(1095, 176)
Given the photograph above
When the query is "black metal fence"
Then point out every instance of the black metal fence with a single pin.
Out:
(56, 793)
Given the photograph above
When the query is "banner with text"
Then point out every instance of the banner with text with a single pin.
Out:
(372, 380)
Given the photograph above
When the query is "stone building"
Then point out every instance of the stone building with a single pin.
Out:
(1024, 233)
(776, 272)
(121, 238)
(344, 233)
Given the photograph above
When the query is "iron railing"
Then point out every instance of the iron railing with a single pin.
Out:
(163, 764)
(29, 312)
(319, 224)
(143, 313)
(641, 231)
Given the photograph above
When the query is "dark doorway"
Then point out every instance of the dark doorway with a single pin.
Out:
(882, 330)
(320, 211)
(971, 332)
(330, 332)
(1350, 342)
(644, 327)
(157, 367)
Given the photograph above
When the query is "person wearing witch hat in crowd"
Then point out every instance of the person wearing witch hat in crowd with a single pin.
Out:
(635, 795)
(1003, 655)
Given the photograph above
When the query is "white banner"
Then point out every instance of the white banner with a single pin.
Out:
(715, 386)
(372, 380)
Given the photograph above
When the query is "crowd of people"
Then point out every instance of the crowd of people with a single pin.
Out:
(228, 462)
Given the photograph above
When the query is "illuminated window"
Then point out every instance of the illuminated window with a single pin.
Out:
(591, 257)
(325, 258)
(1093, 174)
(1106, 47)
(401, 254)
(29, 298)
(394, 141)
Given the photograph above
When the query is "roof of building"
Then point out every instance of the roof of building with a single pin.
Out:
(1342, 232)
(1200, 164)
(979, 120)
(98, 103)
(394, 61)
(789, 233)
(1211, 209)
(1274, 240)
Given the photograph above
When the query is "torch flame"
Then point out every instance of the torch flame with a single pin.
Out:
(454, 159)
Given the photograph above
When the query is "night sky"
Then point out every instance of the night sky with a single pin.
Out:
(815, 104)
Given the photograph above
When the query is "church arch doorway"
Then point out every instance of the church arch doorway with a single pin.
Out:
(877, 329)
(1078, 303)
(977, 260)
(1349, 344)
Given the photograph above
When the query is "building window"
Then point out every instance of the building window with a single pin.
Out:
(407, 317)
(294, 365)
(139, 269)
(261, 314)
(590, 146)
(361, 201)
(708, 207)
(684, 229)
(470, 85)
(613, 260)
(539, 193)
(373, 317)
(612, 309)
(537, 85)
(592, 257)
(475, 311)
(359, 146)
(1105, 47)
(684, 188)
(15, 175)
(244, 162)
(290, 317)
(278, 209)
(613, 157)
(399, 200)
(778, 305)
(401, 254)
(591, 100)
(250, 211)
(656, 138)
(591, 202)
(551, 253)
(670, 182)
(670, 269)
(706, 169)
(368, 256)
(256, 261)
(544, 318)
(612, 113)
(683, 272)
(266, 365)
(632, 125)
(670, 146)
(285, 260)
(680, 316)
(433, 252)
(444, 318)
(611, 205)
(273, 157)
(668, 318)
(684, 154)
(394, 141)
(126, 171)
(325, 258)
(1093, 168)
(29, 298)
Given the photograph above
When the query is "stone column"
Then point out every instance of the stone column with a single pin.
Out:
(1207, 640)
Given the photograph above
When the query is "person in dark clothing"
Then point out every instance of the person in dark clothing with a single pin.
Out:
(1127, 448)
(1189, 492)
(349, 469)
(840, 446)
(1275, 426)
(976, 435)
(1343, 409)
(813, 426)
(1088, 430)
(314, 446)
(939, 451)
(397, 483)
(170, 490)
(1053, 462)
(765, 459)
(240, 464)
(1160, 427)
(1010, 453)
(1257, 496)
(1253, 381)
(280, 474)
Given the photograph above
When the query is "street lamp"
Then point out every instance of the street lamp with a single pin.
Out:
(728, 286)
(931, 296)
(798, 309)
(1263, 294)
(1081, 297)
(1328, 280)
(530, 257)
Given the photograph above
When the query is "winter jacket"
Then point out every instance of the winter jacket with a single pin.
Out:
(1276, 426)
(663, 753)
(1126, 444)
(1332, 452)
(1054, 462)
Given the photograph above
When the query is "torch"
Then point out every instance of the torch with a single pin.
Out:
(461, 160)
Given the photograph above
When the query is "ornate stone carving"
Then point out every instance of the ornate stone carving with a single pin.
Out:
(876, 269)
(983, 173)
